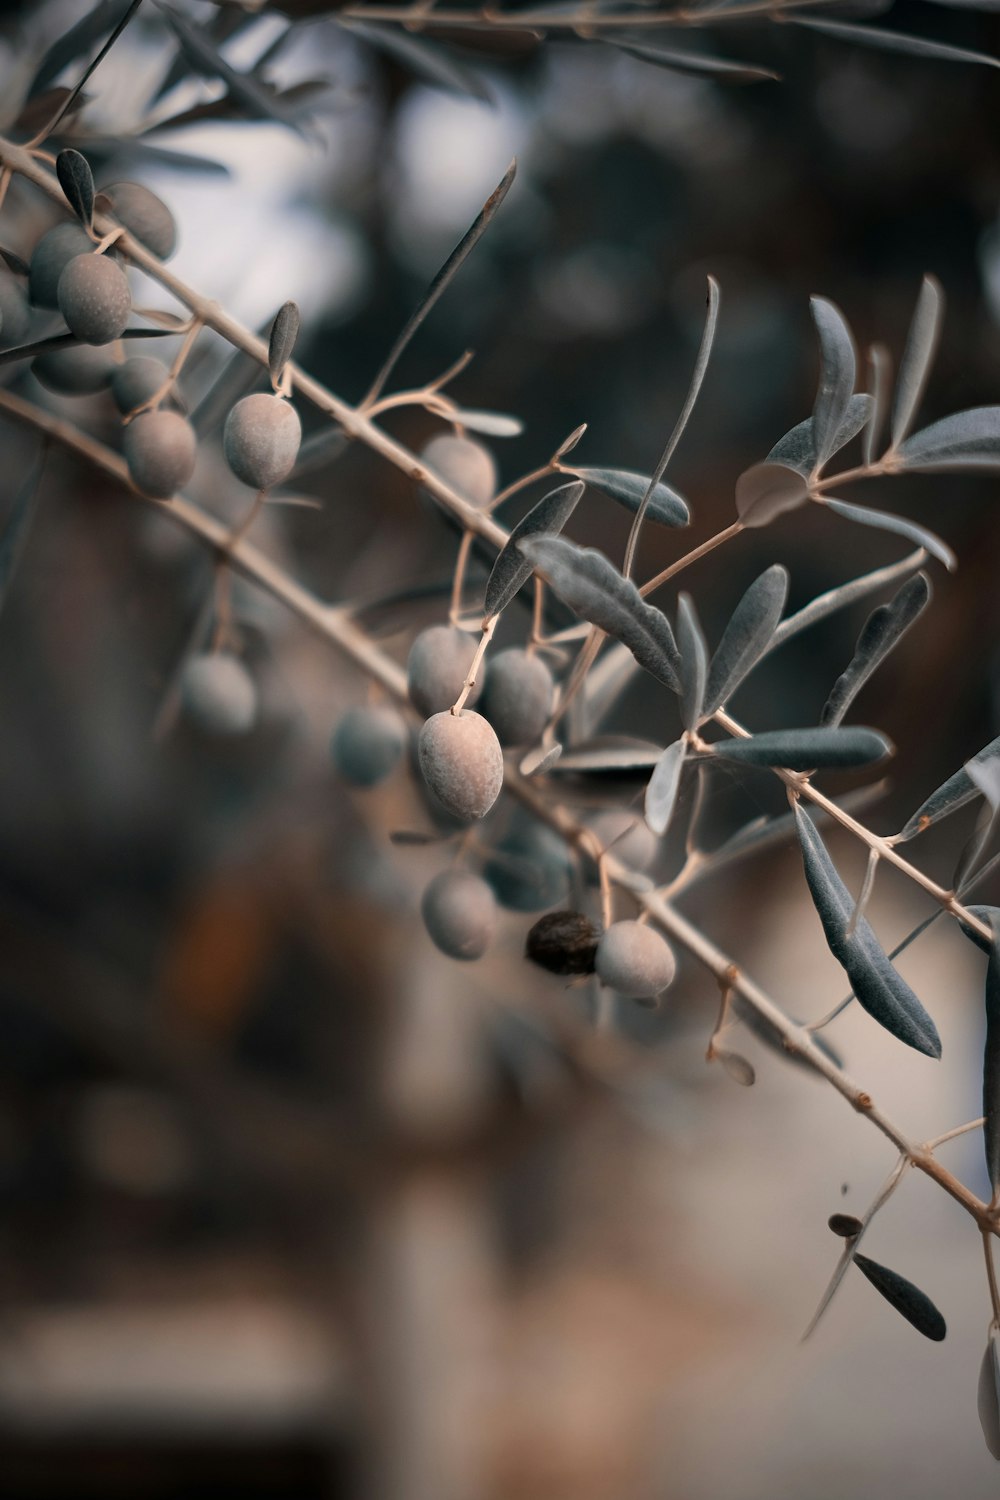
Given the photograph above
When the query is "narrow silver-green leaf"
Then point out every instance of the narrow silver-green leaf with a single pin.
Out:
(915, 366)
(797, 448)
(884, 627)
(991, 1060)
(952, 794)
(284, 332)
(693, 62)
(807, 749)
(908, 1300)
(838, 369)
(611, 753)
(989, 1392)
(882, 521)
(205, 58)
(747, 636)
(765, 491)
(844, 595)
(666, 507)
(428, 60)
(490, 423)
(661, 791)
(893, 41)
(591, 585)
(967, 440)
(879, 372)
(694, 662)
(77, 182)
(880, 989)
(511, 570)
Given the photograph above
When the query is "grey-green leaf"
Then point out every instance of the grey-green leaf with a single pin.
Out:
(284, 332)
(205, 58)
(765, 491)
(807, 749)
(77, 182)
(694, 662)
(838, 369)
(908, 1300)
(915, 366)
(428, 60)
(967, 440)
(882, 521)
(747, 636)
(844, 595)
(666, 507)
(661, 792)
(881, 991)
(893, 41)
(797, 448)
(991, 1060)
(949, 796)
(511, 571)
(586, 581)
(989, 1393)
(610, 753)
(693, 62)
(884, 627)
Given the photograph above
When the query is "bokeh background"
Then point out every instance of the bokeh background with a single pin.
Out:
(289, 1204)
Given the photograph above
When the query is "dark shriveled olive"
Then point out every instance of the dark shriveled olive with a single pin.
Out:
(564, 942)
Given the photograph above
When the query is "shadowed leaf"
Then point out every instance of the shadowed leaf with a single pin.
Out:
(893, 41)
(511, 570)
(429, 60)
(661, 792)
(915, 366)
(77, 182)
(883, 628)
(991, 1060)
(844, 595)
(949, 796)
(882, 992)
(205, 58)
(989, 1394)
(611, 753)
(766, 491)
(747, 636)
(694, 662)
(967, 440)
(807, 749)
(284, 332)
(105, 16)
(882, 521)
(914, 1305)
(797, 449)
(665, 507)
(838, 368)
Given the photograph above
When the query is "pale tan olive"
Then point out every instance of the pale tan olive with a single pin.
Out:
(77, 371)
(94, 298)
(160, 450)
(50, 257)
(261, 440)
(460, 914)
(218, 693)
(437, 667)
(462, 763)
(464, 465)
(634, 960)
(144, 215)
(518, 696)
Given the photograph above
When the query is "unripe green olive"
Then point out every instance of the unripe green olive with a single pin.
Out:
(94, 298)
(144, 215)
(518, 696)
(77, 371)
(136, 380)
(15, 314)
(627, 837)
(635, 960)
(50, 257)
(530, 867)
(460, 914)
(437, 667)
(368, 744)
(218, 693)
(261, 439)
(160, 449)
(464, 465)
(462, 763)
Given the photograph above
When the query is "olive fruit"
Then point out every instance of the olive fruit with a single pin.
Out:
(144, 215)
(460, 914)
(564, 942)
(94, 298)
(261, 439)
(218, 693)
(78, 371)
(462, 763)
(530, 866)
(635, 960)
(50, 257)
(464, 465)
(136, 381)
(625, 835)
(846, 1225)
(437, 667)
(368, 744)
(160, 452)
(517, 697)
(15, 314)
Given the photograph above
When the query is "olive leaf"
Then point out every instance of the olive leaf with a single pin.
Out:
(882, 630)
(489, 423)
(807, 749)
(797, 449)
(880, 990)
(952, 794)
(991, 1059)
(838, 369)
(918, 355)
(967, 440)
(205, 58)
(284, 332)
(665, 507)
(591, 585)
(989, 1393)
(694, 662)
(882, 521)
(610, 753)
(893, 41)
(737, 1066)
(14, 262)
(429, 61)
(77, 182)
(765, 491)
(691, 62)
(661, 791)
(511, 571)
(844, 595)
(908, 1300)
(747, 636)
